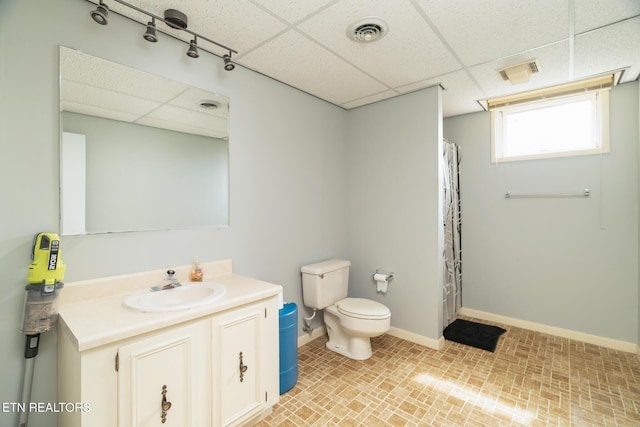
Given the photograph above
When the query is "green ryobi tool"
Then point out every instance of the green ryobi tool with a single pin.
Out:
(44, 281)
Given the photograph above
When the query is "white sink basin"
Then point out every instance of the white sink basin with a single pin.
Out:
(186, 296)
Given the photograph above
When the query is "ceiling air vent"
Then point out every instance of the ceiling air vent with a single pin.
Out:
(209, 105)
(519, 73)
(367, 30)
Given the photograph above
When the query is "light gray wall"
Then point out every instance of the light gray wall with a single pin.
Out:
(394, 210)
(146, 178)
(569, 263)
(287, 173)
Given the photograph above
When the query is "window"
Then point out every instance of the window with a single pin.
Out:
(551, 122)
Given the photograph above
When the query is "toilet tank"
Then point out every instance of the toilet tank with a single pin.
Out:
(325, 283)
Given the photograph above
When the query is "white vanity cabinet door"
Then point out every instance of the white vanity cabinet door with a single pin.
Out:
(169, 369)
(244, 370)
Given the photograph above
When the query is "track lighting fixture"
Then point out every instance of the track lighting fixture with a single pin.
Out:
(101, 14)
(150, 34)
(228, 63)
(193, 48)
(175, 20)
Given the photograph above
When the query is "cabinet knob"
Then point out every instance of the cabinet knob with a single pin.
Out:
(243, 368)
(166, 405)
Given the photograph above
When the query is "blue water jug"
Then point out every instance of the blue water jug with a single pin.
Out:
(288, 316)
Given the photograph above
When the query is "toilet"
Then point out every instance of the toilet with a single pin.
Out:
(350, 322)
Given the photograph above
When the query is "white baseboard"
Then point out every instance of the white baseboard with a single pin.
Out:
(306, 338)
(418, 339)
(438, 344)
(552, 330)
(395, 332)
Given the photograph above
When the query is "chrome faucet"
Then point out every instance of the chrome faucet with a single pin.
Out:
(171, 282)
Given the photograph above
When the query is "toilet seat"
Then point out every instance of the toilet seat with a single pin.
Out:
(362, 308)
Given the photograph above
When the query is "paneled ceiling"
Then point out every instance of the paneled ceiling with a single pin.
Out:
(458, 44)
(96, 87)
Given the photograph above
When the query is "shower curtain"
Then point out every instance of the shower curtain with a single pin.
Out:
(452, 277)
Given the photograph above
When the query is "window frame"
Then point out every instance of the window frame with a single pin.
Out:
(600, 129)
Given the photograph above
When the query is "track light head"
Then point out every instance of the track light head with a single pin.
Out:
(150, 34)
(228, 63)
(193, 49)
(101, 14)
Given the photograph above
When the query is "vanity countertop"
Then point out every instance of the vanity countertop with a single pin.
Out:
(96, 317)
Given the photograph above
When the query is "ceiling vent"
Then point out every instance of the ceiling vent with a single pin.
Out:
(367, 30)
(519, 73)
(209, 105)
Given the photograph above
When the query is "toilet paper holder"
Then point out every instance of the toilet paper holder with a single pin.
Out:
(387, 276)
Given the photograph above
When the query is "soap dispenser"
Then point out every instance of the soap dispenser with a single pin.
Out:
(196, 271)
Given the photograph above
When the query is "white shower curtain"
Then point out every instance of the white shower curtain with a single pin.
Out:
(452, 277)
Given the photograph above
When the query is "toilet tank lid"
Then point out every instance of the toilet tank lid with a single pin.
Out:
(325, 267)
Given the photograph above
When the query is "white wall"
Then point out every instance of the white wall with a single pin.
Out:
(568, 263)
(287, 173)
(394, 211)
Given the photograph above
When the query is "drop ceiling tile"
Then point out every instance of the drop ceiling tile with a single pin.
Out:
(106, 99)
(410, 51)
(170, 113)
(97, 72)
(293, 10)
(458, 96)
(553, 61)
(238, 24)
(591, 14)
(609, 48)
(191, 99)
(481, 31)
(180, 120)
(93, 110)
(293, 58)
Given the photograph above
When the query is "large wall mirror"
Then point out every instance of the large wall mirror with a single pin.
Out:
(138, 151)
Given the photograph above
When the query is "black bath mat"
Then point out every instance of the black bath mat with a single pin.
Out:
(474, 334)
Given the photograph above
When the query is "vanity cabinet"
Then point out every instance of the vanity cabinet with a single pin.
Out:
(161, 378)
(217, 370)
(237, 375)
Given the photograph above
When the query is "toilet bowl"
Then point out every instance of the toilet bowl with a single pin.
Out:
(351, 323)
